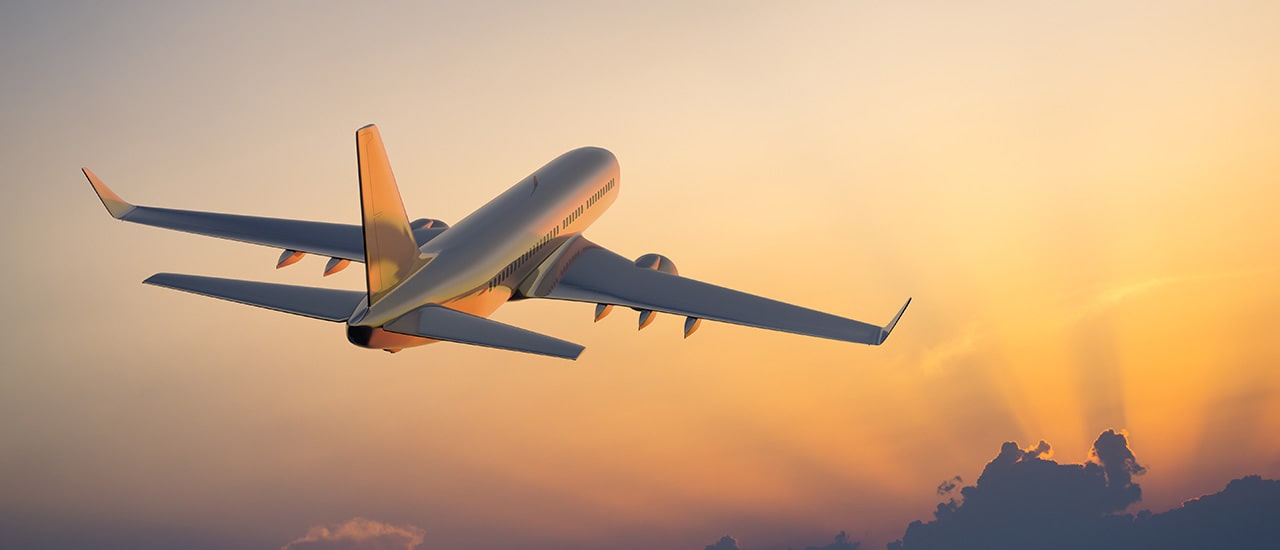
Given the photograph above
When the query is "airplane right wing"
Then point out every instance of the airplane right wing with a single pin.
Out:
(582, 271)
(335, 240)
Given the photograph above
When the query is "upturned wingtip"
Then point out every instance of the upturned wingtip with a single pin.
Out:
(115, 205)
(884, 332)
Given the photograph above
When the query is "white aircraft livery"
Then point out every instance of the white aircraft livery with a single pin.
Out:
(430, 282)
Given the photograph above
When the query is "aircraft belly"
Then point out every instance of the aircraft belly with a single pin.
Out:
(481, 303)
(376, 338)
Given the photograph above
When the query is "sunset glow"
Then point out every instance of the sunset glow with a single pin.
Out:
(1080, 198)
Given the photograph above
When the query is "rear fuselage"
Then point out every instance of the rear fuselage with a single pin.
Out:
(476, 264)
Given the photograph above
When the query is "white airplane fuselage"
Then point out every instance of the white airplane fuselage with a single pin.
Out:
(476, 265)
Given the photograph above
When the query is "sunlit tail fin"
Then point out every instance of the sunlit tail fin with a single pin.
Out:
(391, 253)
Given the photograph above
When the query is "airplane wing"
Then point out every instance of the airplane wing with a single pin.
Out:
(318, 303)
(582, 271)
(335, 240)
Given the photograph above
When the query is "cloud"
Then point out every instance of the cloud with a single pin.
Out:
(842, 543)
(949, 485)
(1246, 514)
(1111, 451)
(725, 543)
(358, 534)
(1023, 499)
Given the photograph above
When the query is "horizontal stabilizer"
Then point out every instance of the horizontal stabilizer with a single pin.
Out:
(319, 303)
(441, 323)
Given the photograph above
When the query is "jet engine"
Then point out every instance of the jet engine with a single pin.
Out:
(657, 262)
(423, 223)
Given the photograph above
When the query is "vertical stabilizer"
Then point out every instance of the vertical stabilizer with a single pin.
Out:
(391, 253)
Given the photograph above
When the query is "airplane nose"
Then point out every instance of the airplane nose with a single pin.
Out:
(598, 155)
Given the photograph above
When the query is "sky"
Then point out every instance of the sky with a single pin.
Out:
(1080, 197)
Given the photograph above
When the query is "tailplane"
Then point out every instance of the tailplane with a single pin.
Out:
(391, 252)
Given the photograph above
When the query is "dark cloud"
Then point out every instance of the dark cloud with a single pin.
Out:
(949, 485)
(1246, 514)
(358, 534)
(1025, 500)
(1111, 450)
(842, 542)
(725, 543)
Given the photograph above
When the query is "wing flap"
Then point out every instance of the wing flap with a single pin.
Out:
(441, 323)
(318, 303)
(586, 272)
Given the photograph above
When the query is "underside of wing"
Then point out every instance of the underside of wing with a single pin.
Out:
(441, 323)
(318, 303)
(585, 272)
(341, 241)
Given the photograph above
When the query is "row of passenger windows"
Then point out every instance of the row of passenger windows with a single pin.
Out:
(594, 198)
(555, 232)
(529, 254)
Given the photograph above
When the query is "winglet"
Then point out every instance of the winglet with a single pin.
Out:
(116, 206)
(884, 332)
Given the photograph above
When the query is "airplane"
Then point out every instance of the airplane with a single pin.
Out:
(427, 281)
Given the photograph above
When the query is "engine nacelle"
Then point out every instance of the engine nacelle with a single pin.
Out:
(288, 258)
(423, 223)
(657, 262)
(335, 265)
(602, 310)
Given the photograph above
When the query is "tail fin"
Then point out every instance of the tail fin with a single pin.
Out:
(391, 252)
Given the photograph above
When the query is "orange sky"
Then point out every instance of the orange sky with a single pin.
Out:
(1079, 197)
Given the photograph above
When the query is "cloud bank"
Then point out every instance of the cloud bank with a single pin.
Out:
(725, 543)
(358, 534)
(1025, 500)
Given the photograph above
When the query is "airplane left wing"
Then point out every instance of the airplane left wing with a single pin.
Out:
(318, 303)
(335, 240)
(582, 271)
